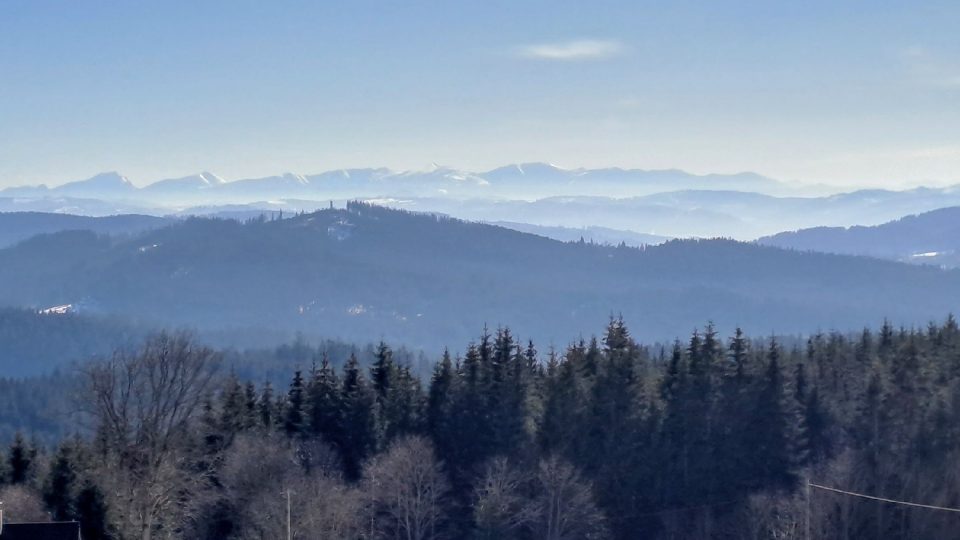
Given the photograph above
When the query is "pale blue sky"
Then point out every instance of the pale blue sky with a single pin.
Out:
(864, 93)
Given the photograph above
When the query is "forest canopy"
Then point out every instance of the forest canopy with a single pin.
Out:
(714, 437)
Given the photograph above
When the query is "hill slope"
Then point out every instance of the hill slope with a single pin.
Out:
(17, 226)
(597, 235)
(929, 238)
(424, 280)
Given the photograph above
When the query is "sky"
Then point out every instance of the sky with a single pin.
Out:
(842, 93)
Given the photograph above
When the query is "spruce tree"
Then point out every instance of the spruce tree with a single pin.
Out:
(398, 396)
(402, 408)
(675, 444)
(563, 412)
(771, 448)
(233, 406)
(60, 487)
(816, 427)
(215, 437)
(615, 424)
(440, 391)
(382, 371)
(471, 419)
(738, 351)
(324, 403)
(733, 417)
(20, 460)
(358, 437)
(294, 418)
(250, 413)
(440, 396)
(266, 411)
(591, 359)
(91, 512)
(506, 396)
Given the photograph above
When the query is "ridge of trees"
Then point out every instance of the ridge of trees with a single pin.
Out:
(708, 438)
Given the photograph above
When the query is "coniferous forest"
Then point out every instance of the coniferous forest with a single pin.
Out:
(714, 437)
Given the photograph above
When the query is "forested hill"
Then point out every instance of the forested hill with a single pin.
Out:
(17, 226)
(430, 281)
(928, 238)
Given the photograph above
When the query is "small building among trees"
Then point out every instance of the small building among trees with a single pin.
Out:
(59, 530)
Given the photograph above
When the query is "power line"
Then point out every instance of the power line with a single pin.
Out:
(882, 499)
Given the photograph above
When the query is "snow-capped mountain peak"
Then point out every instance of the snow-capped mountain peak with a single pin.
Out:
(108, 183)
(295, 178)
(190, 183)
(211, 179)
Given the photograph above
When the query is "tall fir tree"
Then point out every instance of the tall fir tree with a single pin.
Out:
(233, 412)
(506, 396)
(563, 411)
(266, 410)
(398, 395)
(358, 434)
(324, 403)
(92, 512)
(439, 408)
(250, 413)
(382, 371)
(771, 427)
(294, 412)
(20, 460)
(61, 485)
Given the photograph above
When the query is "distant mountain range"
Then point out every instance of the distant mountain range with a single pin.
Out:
(523, 181)
(929, 238)
(430, 281)
(661, 203)
(704, 214)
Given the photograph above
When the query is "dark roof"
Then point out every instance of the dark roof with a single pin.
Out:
(61, 530)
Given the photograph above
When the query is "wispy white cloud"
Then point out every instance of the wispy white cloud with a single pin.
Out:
(581, 49)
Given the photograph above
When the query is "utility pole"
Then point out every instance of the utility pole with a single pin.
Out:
(808, 510)
(289, 533)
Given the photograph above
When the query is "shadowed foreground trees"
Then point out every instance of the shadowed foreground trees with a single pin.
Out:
(143, 404)
(609, 439)
(408, 490)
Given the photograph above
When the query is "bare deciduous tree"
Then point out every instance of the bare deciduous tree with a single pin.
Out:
(564, 508)
(406, 487)
(772, 516)
(259, 472)
(501, 510)
(22, 504)
(142, 404)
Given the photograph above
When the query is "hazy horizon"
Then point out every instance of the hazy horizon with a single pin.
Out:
(805, 188)
(141, 182)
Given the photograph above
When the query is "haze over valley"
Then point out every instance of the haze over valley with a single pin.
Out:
(668, 203)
